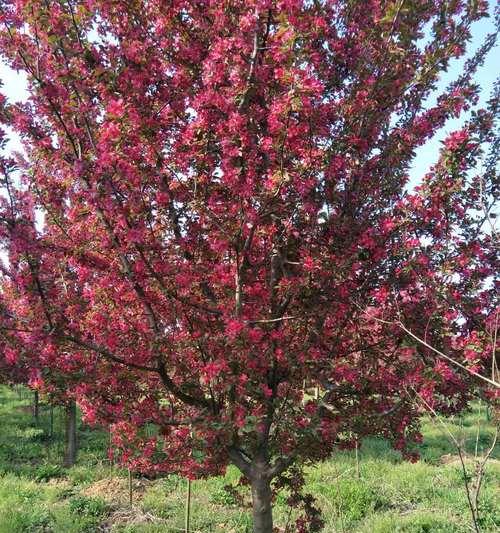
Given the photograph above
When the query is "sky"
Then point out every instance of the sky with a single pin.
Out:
(14, 87)
(485, 77)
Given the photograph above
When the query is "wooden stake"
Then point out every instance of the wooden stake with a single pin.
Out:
(36, 406)
(187, 516)
(358, 474)
(130, 487)
(188, 508)
(478, 430)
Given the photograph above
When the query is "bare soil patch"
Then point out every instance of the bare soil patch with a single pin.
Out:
(115, 490)
(450, 458)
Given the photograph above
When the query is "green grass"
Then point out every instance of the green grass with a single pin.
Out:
(37, 495)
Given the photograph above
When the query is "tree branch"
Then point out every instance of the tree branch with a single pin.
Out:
(239, 459)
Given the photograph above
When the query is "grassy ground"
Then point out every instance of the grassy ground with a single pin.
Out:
(37, 495)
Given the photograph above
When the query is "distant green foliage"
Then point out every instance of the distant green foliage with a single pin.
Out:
(353, 500)
(416, 522)
(34, 434)
(48, 471)
(30, 520)
(224, 495)
(85, 506)
(25, 507)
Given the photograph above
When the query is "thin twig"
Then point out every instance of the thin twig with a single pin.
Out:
(448, 358)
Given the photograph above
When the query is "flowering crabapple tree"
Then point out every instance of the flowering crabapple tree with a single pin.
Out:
(18, 366)
(212, 216)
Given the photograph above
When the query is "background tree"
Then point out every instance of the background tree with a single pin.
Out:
(18, 365)
(213, 210)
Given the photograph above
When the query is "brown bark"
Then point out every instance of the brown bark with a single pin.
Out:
(261, 499)
(260, 473)
(36, 406)
(71, 441)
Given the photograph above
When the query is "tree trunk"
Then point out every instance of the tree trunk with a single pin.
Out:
(71, 444)
(261, 500)
(36, 406)
(260, 473)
